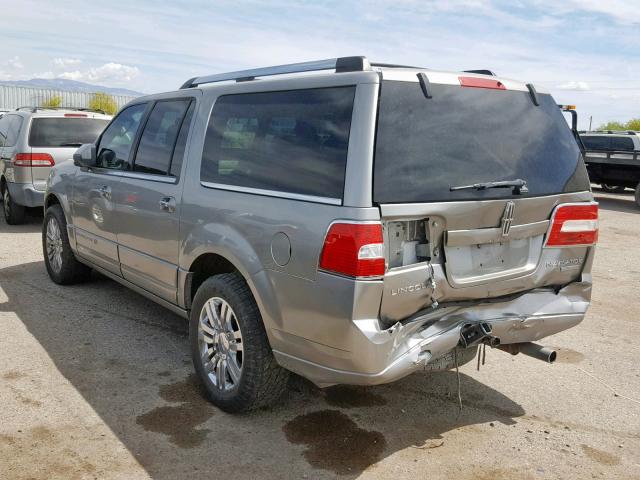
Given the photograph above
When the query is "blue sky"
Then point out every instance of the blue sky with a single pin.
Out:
(586, 52)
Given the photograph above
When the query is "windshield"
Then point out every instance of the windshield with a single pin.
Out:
(64, 132)
(463, 136)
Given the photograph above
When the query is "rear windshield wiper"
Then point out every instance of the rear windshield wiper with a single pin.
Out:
(71, 144)
(519, 186)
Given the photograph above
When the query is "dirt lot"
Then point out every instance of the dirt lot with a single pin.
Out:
(96, 382)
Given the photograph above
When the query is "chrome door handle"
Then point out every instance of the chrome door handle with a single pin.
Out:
(168, 204)
(105, 192)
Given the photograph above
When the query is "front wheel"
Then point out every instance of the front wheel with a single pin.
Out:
(612, 188)
(229, 346)
(61, 263)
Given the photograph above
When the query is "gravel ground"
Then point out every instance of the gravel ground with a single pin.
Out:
(96, 382)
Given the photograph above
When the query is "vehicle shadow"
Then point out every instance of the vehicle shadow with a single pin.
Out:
(129, 359)
(32, 224)
(618, 203)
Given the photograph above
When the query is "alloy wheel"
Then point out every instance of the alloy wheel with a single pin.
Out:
(220, 343)
(54, 245)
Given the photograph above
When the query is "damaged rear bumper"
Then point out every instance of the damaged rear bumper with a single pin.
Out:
(381, 356)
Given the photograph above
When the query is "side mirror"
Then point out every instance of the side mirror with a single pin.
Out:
(85, 156)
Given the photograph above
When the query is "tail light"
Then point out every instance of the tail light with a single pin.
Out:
(574, 224)
(33, 160)
(354, 250)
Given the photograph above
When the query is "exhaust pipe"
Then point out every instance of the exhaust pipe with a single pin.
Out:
(530, 349)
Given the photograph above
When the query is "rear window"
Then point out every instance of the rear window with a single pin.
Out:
(292, 141)
(462, 136)
(64, 132)
(622, 143)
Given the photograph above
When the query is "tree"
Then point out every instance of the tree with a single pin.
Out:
(103, 101)
(634, 124)
(612, 126)
(53, 102)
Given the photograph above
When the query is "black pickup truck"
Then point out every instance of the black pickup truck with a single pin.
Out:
(613, 159)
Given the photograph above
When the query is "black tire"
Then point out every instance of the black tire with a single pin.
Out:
(262, 381)
(70, 270)
(638, 194)
(612, 188)
(14, 214)
(448, 360)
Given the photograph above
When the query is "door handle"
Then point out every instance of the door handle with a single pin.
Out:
(168, 204)
(105, 192)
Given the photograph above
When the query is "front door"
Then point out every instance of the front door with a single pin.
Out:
(95, 189)
(149, 200)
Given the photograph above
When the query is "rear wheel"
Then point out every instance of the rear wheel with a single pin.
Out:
(229, 346)
(61, 263)
(612, 188)
(14, 214)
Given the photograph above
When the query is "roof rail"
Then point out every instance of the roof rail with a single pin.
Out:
(481, 72)
(79, 109)
(341, 64)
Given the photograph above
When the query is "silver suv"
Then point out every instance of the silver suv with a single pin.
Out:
(32, 140)
(349, 222)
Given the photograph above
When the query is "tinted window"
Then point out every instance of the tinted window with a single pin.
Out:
(293, 141)
(15, 124)
(115, 145)
(596, 142)
(4, 129)
(622, 143)
(65, 132)
(463, 136)
(181, 143)
(159, 137)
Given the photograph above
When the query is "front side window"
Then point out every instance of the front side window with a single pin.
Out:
(293, 141)
(116, 142)
(159, 136)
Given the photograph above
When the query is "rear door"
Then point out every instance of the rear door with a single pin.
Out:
(148, 208)
(447, 244)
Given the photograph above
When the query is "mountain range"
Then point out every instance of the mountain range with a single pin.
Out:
(70, 85)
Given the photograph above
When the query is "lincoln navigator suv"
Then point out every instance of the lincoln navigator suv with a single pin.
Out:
(347, 221)
(32, 140)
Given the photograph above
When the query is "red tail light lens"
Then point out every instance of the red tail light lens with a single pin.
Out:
(33, 160)
(354, 249)
(574, 224)
(476, 82)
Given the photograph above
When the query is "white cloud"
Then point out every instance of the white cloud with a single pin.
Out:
(575, 85)
(65, 62)
(109, 72)
(14, 63)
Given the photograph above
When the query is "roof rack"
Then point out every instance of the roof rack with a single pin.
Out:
(616, 132)
(481, 72)
(79, 109)
(341, 64)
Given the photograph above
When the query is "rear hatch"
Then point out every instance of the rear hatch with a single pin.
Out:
(450, 236)
(54, 139)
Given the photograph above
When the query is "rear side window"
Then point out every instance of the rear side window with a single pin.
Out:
(463, 136)
(596, 142)
(15, 124)
(181, 143)
(159, 137)
(293, 141)
(622, 143)
(65, 132)
(115, 144)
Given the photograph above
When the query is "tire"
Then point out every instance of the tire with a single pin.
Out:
(638, 194)
(14, 214)
(236, 351)
(612, 188)
(61, 263)
(448, 360)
